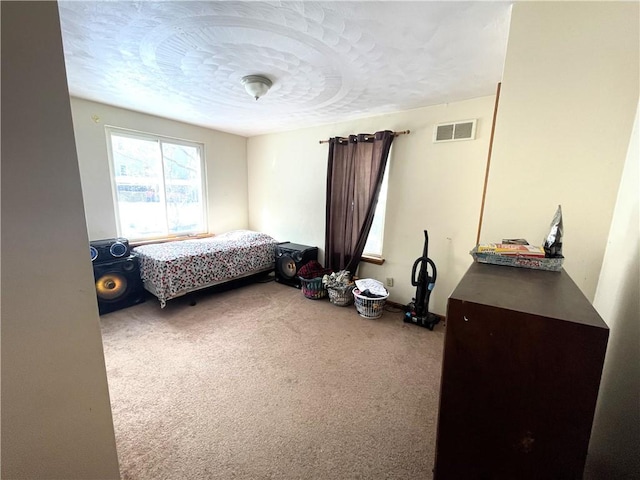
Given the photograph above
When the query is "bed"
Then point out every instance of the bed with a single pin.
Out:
(172, 269)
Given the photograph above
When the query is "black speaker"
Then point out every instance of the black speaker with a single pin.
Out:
(118, 284)
(109, 249)
(290, 257)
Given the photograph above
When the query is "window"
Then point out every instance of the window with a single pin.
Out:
(373, 246)
(158, 185)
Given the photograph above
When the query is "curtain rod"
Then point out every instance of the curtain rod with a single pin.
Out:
(395, 134)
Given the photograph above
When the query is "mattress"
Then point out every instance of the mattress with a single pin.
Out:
(172, 269)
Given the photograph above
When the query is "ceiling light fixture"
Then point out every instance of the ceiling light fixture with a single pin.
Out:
(256, 85)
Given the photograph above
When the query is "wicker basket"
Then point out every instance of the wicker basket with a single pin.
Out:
(313, 288)
(341, 296)
(550, 264)
(369, 307)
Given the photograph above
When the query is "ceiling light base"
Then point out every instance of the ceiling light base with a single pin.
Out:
(256, 85)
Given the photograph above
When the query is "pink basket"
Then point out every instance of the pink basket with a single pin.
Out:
(313, 288)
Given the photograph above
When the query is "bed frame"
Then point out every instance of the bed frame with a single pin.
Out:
(150, 287)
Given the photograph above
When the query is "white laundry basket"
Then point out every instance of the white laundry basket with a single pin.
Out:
(369, 307)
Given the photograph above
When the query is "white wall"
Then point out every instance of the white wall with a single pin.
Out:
(437, 187)
(613, 451)
(225, 156)
(568, 99)
(56, 417)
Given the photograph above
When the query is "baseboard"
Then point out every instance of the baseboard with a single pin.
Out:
(402, 307)
(394, 304)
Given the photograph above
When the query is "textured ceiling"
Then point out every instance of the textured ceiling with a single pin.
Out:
(329, 61)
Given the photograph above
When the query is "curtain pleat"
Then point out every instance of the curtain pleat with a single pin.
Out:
(355, 170)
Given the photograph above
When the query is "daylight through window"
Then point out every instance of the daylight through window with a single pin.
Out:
(374, 240)
(158, 185)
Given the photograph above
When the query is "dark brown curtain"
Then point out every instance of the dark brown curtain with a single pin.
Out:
(354, 176)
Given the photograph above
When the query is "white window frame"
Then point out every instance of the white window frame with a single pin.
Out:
(111, 130)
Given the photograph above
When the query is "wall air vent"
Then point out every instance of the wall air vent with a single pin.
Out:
(452, 132)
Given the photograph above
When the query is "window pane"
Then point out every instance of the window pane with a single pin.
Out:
(158, 184)
(183, 177)
(374, 241)
(139, 187)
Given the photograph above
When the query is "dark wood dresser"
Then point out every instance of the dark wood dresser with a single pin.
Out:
(523, 356)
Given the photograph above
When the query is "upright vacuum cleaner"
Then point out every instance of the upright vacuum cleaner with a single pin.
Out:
(417, 311)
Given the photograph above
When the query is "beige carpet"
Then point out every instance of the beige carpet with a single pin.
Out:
(259, 382)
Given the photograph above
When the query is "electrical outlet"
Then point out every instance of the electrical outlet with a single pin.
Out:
(389, 281)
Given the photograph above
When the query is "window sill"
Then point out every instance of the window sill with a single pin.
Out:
(375, 259)
(169, 239)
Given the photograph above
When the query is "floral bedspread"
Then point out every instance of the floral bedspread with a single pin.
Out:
(176, 268)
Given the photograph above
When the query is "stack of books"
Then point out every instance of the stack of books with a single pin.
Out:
(511, 250)
(515, 254)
